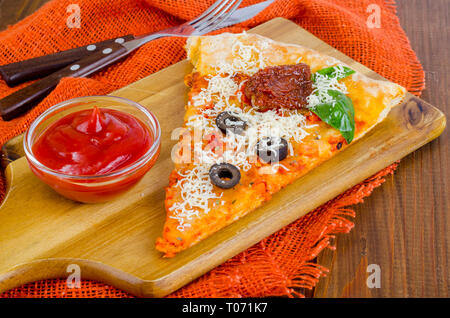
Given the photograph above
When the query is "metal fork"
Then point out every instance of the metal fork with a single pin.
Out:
(206, 22)
(23, 100)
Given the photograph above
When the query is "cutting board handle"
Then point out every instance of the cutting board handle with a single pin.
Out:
(72, 270)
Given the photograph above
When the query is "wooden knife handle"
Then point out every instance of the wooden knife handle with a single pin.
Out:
(24, 99)
(19, 72)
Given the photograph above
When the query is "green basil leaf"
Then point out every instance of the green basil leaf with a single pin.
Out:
(332, 72)
(340, 114)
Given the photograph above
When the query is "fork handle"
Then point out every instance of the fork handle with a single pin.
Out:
(38, 67)
(24, 99)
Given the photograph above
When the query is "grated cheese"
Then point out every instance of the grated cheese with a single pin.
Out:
(323, 84)
(197, 191)
(249, 59)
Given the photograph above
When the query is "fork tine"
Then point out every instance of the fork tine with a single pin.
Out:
(218, 16)
(224, 5)
(212, 7)
(222, 17)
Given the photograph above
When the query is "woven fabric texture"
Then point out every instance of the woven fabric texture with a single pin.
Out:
(281, 263)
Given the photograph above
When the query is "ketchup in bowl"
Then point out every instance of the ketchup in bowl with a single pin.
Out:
(92, 142)
(92, 149)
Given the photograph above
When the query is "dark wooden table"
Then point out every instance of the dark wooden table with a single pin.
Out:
(403, 227)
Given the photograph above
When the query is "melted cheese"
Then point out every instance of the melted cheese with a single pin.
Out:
(196, 208)
(238, 150)
(197, 192)
(223, 94)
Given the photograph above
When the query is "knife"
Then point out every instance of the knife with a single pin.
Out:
(19, 72)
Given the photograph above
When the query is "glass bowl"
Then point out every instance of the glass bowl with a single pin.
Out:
(93, 188)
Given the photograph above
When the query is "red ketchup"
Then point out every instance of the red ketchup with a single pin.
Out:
(89, 143)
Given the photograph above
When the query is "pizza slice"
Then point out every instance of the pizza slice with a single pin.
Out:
(260, 114)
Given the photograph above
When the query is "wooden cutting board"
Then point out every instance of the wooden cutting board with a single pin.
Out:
(41, 233)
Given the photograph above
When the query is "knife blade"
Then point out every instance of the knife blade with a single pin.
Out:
(244, 14)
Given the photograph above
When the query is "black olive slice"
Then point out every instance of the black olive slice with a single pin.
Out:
(227, 121)
(224, 175)
(272, 149)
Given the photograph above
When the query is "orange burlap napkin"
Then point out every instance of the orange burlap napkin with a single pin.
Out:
(283, 261)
